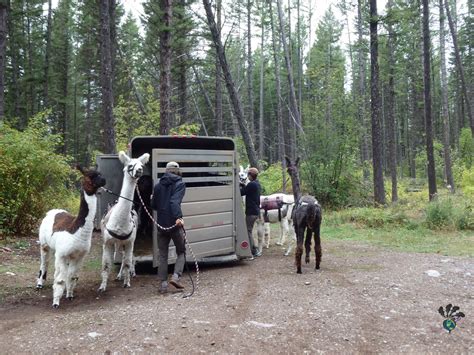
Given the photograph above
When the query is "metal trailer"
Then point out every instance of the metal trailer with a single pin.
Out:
(212, 206)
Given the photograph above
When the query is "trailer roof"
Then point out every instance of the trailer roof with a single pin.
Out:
(144, 144)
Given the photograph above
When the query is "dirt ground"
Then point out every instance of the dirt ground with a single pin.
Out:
(363, 300)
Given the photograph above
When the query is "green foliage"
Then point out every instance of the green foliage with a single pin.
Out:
(271, 179)
(466, 148)
(451, 214)
(421, 162)
(467, 182)
(187, 129)
(131, 122)
(32, 175)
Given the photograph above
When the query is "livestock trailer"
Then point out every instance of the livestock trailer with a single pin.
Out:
(212, 206)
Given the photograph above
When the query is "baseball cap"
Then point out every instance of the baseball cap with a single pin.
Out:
(172, 164)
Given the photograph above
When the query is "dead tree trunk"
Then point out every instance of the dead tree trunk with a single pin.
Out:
(165, 66)
(108, 121)
(379, 190)
(427, 99)
(444, 100)
(460, 67)
(233, 94)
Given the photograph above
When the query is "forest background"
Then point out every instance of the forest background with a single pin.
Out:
(376, 101)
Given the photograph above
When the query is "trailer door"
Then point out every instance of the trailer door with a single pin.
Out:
(208, 204)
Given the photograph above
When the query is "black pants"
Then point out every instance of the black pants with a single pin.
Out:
(164, 238)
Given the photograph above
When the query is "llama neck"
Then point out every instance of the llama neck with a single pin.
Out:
(87, 210)
(120, 215)
(295, 183)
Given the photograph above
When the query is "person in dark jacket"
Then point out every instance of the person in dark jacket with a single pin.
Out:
(168, 194)
(251, 191)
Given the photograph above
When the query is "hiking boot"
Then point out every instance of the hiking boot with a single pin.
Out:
(175, 282)
(257, 254)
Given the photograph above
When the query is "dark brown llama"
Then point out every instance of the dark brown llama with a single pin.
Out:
(307, 215)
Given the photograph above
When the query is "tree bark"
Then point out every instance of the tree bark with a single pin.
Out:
(47, 56)
(293, 104)
(379, 190)
(391, 123)
(3, 39)
(460, 66)
(361, 102)
(261, 130)
(427, 100)
(108, 120)
(251, 116)
(165, 67)
(218, 104)
(281, 134)
(233, 94)
(444, 101)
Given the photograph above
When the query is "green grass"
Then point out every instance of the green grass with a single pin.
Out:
(420, 239)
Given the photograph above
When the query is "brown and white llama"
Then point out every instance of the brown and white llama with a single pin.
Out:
(307, 216)
(119, 225)
(69, 237)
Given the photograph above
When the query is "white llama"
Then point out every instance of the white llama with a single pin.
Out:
(119, 225)
(70, 237)
(282, 216)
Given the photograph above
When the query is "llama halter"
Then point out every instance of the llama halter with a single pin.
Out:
(185, 239)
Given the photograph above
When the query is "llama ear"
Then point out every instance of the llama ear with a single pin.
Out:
(144, 158)
(297, 162)
(241, 168)
(123, 157)
(288, 162)
(248, 167)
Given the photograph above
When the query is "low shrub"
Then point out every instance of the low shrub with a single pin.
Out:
(33, 177)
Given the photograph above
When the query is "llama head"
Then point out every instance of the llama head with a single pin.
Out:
(92, 180)
(243, 174)
(133, 167)
(292, 167)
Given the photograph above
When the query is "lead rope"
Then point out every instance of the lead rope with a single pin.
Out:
(186, 241)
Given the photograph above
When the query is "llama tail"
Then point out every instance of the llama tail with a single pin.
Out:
(314, 214)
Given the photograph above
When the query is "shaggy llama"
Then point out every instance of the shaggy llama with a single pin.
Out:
(307, 216)
(69, 237)
(119, 225)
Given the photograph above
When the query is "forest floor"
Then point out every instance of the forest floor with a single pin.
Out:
(364, 299)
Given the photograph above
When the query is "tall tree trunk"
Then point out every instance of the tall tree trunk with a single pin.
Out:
(47, 56)
(14, 63)
(379, 190)
(3, 39)
(108, 120)
(460, 67)
(233, 94)
(293, 104)
(218, 104)
(391, 124)
(427, 100)
(444, 101)
(204, 91)
(261, 130)
(30, 96)
(251, 118)
(281, 134)
(165, 67)
(361, 102)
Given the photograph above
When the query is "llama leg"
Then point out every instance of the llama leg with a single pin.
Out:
(107, 256)
(317, 245)
(266, 235)
(43, 267)
(299, 248)
(119, 249)
(127, 262)
(72, 278)
(292, 239)
(307, 244)
(60, 269)
(260, 236)
(283, 231)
